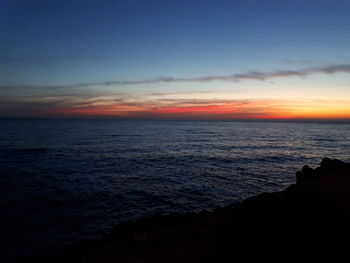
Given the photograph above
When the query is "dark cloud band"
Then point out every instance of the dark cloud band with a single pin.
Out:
(253, 75)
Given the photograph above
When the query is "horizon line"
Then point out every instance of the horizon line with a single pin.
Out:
(291, 120)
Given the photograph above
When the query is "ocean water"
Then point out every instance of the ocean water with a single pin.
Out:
(66, 180)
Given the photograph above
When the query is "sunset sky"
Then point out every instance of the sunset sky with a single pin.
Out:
(251, 59)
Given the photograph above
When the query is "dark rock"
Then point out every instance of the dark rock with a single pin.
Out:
(305, 174)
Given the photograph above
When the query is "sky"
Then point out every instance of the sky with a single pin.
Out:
(225, 60)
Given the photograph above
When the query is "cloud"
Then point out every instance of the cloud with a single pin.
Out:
(333, 69)
(252, 75)
(174, 108)
(80, 99)
(124, 106)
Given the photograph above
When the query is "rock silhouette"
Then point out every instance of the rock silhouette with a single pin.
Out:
(308, 220)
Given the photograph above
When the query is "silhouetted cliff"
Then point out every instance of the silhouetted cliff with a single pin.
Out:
(309, 219)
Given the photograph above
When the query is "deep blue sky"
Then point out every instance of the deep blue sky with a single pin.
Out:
(63, 43)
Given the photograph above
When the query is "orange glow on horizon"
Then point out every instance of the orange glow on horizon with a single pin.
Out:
(212, 109)
(234, 110)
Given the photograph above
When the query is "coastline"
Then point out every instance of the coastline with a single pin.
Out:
(308, 218)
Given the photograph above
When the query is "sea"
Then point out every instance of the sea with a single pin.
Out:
(65, 180)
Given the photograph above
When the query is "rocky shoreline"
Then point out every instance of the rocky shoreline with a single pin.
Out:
(308, 219)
